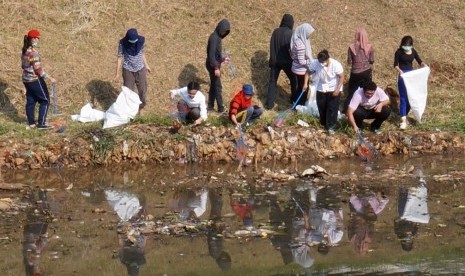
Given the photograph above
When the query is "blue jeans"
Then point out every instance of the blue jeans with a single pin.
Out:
(37, 92)
(404, 106)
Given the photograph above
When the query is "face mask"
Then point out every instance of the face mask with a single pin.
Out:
(407, 48)
(323, 64)
(35, 44)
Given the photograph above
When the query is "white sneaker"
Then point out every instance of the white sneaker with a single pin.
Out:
(403, 125)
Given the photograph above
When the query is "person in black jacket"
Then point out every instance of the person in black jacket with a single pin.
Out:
(213, 63)
(280, 58)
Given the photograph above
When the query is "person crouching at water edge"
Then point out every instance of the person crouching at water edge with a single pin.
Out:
(241, 110)
(191, 105)
(368, 102)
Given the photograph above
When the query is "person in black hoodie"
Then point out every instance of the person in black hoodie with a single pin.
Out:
(280, 58)
(213, 63)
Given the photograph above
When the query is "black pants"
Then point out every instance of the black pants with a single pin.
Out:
(361, 114)
(274, 75)
(215, 92)
(355, 81)
(328, 106)
(300, 88)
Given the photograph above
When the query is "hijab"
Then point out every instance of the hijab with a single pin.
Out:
(132, 43)
(361, 42)
(287, 21)
(301, 33)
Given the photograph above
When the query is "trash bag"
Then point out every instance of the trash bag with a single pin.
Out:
(88, 114)
(123, 109)
(416, 83)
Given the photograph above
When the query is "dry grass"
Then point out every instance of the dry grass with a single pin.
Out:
(79, 40)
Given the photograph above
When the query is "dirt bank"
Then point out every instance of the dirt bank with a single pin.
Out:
(142, 143)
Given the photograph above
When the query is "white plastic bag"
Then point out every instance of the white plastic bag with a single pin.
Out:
(416, 207)
(123, 109)
(416, 83)
(88, 114)
(126, 205)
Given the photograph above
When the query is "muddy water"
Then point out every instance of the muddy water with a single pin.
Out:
(395, 215)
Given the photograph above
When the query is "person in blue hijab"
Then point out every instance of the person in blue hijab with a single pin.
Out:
(132, 59)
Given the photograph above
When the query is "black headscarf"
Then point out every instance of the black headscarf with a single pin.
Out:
(132, 48)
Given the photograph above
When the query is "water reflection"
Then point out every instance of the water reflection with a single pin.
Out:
(364, 210)
(35, 234)
(131, 212)
(189, 204)
(244, 224)
(413, 210)
(217, 230)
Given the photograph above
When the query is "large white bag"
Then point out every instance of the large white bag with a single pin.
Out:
(416, 83)
(123, 110)
(416, 207)
(88, 114)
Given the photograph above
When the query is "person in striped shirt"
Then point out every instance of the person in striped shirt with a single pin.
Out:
(33, 77)
(132, 59)
(301, 53)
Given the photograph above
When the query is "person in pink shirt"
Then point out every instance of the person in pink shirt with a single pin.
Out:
(368, 102)
(360, 57)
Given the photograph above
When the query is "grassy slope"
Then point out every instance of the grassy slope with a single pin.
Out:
(79, 40)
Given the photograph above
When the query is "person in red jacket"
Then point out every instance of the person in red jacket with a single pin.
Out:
(241, 110)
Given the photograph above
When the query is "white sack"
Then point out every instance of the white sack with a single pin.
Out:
(123, 110)
(88, 114)
(416, 83)
(126, 205)
(310, 106)
(416, 208)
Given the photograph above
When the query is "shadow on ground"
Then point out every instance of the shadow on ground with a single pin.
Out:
(188, 74)
(102, 92)
(6, 107)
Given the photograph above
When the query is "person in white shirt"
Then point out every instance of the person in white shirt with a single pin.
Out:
(330, 75)
(368, 102)
(191, 105)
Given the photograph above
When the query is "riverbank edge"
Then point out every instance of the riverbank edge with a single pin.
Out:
(142, 143)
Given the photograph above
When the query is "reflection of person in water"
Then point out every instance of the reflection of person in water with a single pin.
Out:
(132, 251)
(131, 211)
(189, 204)
(413, 210)
(299, 227)
(300, 246)
(277, 217)
(35, 233)
(243, 209)
(326, 219)
(364, 211)
(215, 231)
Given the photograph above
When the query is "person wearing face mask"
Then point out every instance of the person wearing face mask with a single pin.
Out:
(368, 102)
(330, 74)
(33, 77)
(301, 53)
(403, 62)
(213, 63)
(132, 59)
(192, 104)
